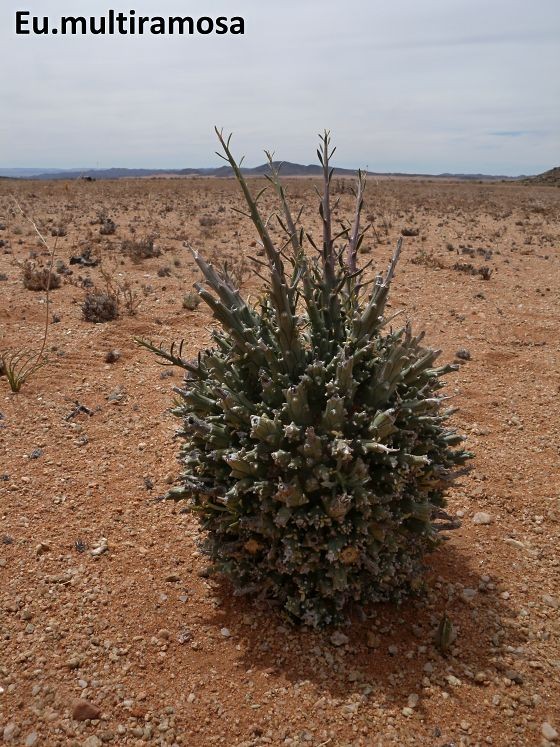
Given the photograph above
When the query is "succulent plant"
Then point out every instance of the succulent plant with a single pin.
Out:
(315, 447)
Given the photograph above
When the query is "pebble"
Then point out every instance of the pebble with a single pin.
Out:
(469, 594)
(549, 732)
(225, 632)
(339, 639)
(481, 517)
(551, 601)
(514, 676)
(31, 739)
(116, 395)
(83, 710)
(112, 356)
(11, 731)
(92, 741)
(101, 547)
(412, 701)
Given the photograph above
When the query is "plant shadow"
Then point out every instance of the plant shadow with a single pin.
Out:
(391, 650)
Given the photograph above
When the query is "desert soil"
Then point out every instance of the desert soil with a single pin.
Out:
(103, 594)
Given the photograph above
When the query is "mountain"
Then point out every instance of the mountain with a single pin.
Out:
(36, 172)
(550, 178)
(287, 169)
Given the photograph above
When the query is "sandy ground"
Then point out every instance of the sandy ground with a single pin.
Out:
(161, 654)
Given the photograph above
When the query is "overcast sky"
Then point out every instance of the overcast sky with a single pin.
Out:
(404, 85)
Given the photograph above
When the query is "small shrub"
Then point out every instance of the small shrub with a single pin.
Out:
(139, 249)
(118, 293)
(107, 224)
(99, 307)
(316, 451)
(38, 278)
(108, 227)
(191, 300)
(207, 221)
(428, 259)
(468, 268)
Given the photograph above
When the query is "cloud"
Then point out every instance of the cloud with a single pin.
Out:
(515, 133)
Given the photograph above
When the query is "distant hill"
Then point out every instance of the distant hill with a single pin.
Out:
(550, 178)
(287, 169)
(36, 172)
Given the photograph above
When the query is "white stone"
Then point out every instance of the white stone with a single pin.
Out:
(481, 517)
(339, 639)
(549, 732)
(412, 700)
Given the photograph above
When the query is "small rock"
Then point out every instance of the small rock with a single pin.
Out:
(514, 543)
(551, 601)
(117, 395)
(372, 640)
(11, 731)
(412, 701)
(549, 732)
(101, 547)
(184, 636)
(453, 681)
(481, 517)
(31, 739)
(469, 594)
(514, 676)
(339, 639)
(407, 711)
(225, 632)
(93, 742)
(82, 710)
(42, 548)
(36, 453)
(112, 356)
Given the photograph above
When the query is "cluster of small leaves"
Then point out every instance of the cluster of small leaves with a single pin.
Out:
(315, 448)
